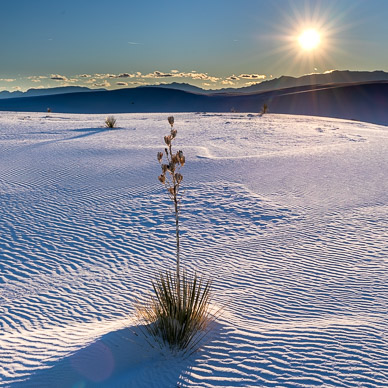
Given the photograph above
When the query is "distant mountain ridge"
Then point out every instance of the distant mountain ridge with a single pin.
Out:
(364, 101)
(336, 76)
(181, 86)
(47, 92)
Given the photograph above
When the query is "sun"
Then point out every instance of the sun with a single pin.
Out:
(309, 39)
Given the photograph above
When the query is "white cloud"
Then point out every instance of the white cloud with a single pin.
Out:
(104, 84)
(195, 75)
(58, 77)
(252, 76)
(158, 74)
(36, 78)
(102, 76)
(7, 79)
(134, 43)
(124, 75)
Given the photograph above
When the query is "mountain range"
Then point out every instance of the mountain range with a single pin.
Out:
(332, 77)
(46, 92)
(363, 101)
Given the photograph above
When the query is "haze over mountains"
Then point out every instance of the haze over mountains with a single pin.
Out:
(46, 92)
(359, 96)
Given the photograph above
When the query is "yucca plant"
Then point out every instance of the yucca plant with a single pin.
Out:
(178, 319)
(264, 109)
(110, 122)
(179, 311)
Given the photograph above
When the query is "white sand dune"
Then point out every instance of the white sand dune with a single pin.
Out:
(288, 214)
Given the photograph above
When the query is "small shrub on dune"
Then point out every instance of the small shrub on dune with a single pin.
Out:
(178, 313)
(110, 122)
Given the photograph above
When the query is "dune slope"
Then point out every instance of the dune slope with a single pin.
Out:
(288, 214)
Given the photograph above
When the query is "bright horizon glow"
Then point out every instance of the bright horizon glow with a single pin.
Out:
(309, 39)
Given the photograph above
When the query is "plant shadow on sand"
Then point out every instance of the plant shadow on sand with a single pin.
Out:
(84, 132)
(120, 358)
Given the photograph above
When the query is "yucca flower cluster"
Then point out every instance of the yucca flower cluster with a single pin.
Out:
(172, 178)
(174, 162)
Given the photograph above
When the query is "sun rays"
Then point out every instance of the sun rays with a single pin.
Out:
(307, 40)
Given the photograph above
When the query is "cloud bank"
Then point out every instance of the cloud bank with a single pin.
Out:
(136, 78)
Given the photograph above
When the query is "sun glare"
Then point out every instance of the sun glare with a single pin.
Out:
(309, 39)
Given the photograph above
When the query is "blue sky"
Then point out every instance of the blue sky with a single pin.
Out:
(212, 44)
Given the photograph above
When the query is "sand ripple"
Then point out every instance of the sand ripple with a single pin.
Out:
(84, 226)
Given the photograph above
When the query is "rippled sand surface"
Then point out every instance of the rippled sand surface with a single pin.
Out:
(288, 215)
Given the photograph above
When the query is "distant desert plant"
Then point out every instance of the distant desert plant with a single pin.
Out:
(264, 109)
(48, 110)
(110, 122)
(179, 312)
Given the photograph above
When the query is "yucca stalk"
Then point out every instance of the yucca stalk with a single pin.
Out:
(172, 178)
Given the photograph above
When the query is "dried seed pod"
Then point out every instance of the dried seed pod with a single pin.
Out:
(162, 178)
(171, 167)
(173, 133)
(160, 156)
(175, 159)
(182, 160)
(171, 120)
(171, 190)
(167, 140)
(178, 177)
(164, 168)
